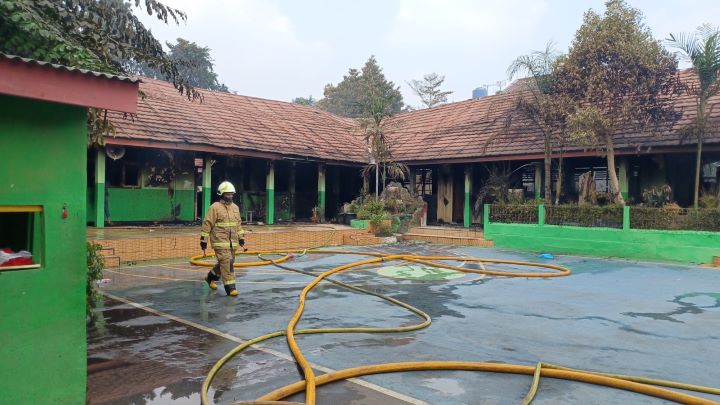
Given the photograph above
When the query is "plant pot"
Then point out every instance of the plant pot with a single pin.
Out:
(346, 218)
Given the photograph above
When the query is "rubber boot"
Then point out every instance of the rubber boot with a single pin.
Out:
(212, 279)
(231, 291)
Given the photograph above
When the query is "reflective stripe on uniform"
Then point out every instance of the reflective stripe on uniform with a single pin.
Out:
(221, 245)
(226, 224)
(204, 234)
(229, 282)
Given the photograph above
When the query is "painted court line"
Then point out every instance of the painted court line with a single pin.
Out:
(281, 355)
(193, 280)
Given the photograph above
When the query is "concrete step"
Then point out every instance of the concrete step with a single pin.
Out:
(107, 251)
(112, 261)
(360, 239)
(445, 231)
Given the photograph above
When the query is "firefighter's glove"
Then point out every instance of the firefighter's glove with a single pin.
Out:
(203, 245)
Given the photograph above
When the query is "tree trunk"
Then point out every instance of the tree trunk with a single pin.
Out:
(612, 174)
(558, 189)
(548, 174)
(698, 158)
(377, 180)
(698, 167)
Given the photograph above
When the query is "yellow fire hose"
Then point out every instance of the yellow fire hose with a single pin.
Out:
(641, 385)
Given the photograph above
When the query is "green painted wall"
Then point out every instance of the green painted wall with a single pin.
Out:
(150, 204)
(146, 203)
(680, 246)
(42, 326)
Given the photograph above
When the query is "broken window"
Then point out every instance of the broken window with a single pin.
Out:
(423, 182)
(21, 238)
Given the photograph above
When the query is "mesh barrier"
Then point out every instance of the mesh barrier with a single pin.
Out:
(514, 214)
(674, 218)
(589, 216)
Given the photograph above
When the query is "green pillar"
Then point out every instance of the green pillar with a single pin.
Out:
(207, 185)
(291, 190)
(270, 194)
(541, 214)
(626, 218)
(467, 218)
(623, 177)
(100, 188)
(321, 192)
(538, 181)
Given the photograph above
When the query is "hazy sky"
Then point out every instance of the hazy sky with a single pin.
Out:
(281, 49)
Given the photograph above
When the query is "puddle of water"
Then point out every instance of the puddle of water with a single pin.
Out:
(447, 386)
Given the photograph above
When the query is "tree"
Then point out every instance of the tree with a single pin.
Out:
(351, 97)
(542, 106)
(374, 127)
(310, 101)
(89, 34)
(621, 77)
(702, 49)
(194, 63)
(428, 89)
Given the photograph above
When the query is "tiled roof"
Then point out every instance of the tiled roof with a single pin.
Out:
(238, 124)
(69, 68)
(466, 130)
(473, 129)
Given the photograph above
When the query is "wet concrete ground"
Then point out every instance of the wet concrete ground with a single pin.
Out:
(649, 319)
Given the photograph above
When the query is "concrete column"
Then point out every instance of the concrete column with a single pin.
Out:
(467, 216)
(486, 216)
(291, 190)
(100, 188)
(270, 194)
(623, 177)
(538, 180)
(207, 185)
(321, 192)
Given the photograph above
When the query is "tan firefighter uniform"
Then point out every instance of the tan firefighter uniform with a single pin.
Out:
(222, 226)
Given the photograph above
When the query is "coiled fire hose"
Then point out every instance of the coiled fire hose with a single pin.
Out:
(641, 385)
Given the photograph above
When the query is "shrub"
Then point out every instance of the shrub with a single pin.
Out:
(95, 265)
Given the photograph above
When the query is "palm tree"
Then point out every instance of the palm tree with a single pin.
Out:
(373, 127)
(539, 103)
(702, 49)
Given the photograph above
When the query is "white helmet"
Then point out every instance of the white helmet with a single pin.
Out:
(225, 187)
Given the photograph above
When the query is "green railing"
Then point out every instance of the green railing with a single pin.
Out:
(666, 218)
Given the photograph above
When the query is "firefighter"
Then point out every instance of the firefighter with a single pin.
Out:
(222, 226)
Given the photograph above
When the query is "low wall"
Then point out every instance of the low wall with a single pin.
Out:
(130, 250)
(680, 246)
